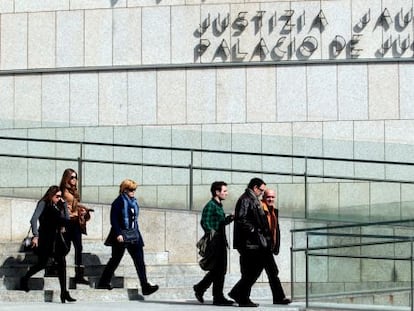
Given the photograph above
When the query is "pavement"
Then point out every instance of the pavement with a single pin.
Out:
(137, 305)
(158, 305)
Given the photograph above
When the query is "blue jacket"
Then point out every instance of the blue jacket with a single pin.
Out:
(124, 215)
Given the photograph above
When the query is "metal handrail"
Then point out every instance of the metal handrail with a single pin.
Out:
(359, 224)
(192, 167)
(312, 250)
(280, 155)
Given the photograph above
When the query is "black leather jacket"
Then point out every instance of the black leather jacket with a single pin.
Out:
(250, 223)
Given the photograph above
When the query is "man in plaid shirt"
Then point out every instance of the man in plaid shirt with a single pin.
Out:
(214, 220)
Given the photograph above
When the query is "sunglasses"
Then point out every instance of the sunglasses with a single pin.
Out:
(73, 177)
(131, 190)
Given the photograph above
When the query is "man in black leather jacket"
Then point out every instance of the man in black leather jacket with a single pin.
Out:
(251, 239)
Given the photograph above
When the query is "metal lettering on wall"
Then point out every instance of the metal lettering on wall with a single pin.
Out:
(293, 35)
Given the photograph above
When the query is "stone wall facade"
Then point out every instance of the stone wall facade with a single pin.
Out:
(308, 78)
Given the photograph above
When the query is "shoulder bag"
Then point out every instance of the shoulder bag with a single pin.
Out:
(130, 236)
(26, 245)
(207, 250)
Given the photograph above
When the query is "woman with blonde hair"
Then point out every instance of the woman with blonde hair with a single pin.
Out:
(79, 215)
(124, 218)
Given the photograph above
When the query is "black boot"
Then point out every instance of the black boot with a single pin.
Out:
(64, 296)
(79, 275)
(148, 289)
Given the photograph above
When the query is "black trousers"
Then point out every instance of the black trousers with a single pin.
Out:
(42, 263)
(273, 276)
(251, 265)
(137, 255)
(74, 234)
(216, 276)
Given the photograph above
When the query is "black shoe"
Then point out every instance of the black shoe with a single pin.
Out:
(149, 289)
(198, 294)
(24, 284)
(66, 297)
(104, 286)
(248, 304)
(222, 302)
(233, 296)
(284, 301)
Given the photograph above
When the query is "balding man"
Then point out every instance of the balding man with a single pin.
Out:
(272, 214)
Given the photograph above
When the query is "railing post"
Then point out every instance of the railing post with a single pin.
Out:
(306, 189)
(411, 277)
(307, 272)
(291, 265)
(80, 172)
(191, 186)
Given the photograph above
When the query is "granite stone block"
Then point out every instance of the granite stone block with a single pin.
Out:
(41, 40)
(13, 43)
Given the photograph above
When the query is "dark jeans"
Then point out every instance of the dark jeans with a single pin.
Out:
(251, 265)
(216, 276)
(118, 250)
(272, 274)
(74, 234)
(42, 263)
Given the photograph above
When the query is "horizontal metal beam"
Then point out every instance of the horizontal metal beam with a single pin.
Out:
(285, 63)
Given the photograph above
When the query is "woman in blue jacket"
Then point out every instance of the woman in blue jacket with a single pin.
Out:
(124, 216)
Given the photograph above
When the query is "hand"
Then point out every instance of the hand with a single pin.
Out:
(82, 212)
(120, 238)
(35, 242)
(229, 219)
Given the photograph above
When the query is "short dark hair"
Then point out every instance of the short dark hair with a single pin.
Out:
(216, 186)
(255, 182)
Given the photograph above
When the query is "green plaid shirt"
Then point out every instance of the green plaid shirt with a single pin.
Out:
(213, 216)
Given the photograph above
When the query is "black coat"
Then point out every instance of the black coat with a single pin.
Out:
(250, 223)
(51, 222)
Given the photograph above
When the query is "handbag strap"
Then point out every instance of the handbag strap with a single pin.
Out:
(28, 232)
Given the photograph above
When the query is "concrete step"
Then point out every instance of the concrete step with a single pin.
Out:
(94, 253)
(127, 274)
(84, 293)
(40, 281)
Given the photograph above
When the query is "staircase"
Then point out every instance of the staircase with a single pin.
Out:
(172, 279)
(175, 280)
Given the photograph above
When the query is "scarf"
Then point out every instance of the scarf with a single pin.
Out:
(130, 211)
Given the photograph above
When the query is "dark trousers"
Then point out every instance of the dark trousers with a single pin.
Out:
(251, 265)
(216, 276)
(118, 250)
(74, 234)
(42, 263)
(272, 274)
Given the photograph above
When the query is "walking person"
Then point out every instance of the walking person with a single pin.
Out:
(124, 216)
(270, 266)
(52, 214)
(79, 215)
(213, 220)
(249, 239)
